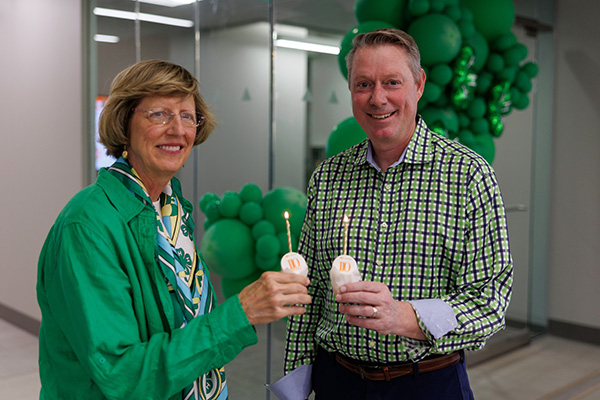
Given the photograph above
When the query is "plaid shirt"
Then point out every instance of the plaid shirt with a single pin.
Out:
(431, 227)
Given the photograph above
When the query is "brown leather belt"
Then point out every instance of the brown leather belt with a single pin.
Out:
(387, 373)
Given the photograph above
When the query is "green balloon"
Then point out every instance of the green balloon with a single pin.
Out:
(431, 92)
(521, 103)
(477, 108)
(346, 43)
(231, 287)
(492, 18)
(479, 126)
(437, 6)
(262, 227)
(495, 63)
(282, 199)
(207, 199)
(230, 204)
(514, 55)
(267, 246)
(482, 144)
(344, 135)
(445, 117)
(438, 38)
(441, 74)
(531, 69)
(228, 249)
(212, 211)
(251, 192)
(418, 7)
(481, 50)
(250, 213)
(390, 11)
(267, 264)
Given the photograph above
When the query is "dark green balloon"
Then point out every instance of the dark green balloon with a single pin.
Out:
(228, 249)
(438, 38)
(440, 74)
(344, 135)
(492, 18)
(446, 117)
(481, 48)
(482, 144)
(390, 11)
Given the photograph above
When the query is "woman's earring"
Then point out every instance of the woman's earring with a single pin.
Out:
(125, 154)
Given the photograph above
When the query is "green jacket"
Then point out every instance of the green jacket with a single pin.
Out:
(107, 316)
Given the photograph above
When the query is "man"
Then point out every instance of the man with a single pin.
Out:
(428, 231)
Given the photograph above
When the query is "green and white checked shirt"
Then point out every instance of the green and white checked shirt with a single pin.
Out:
(431, 227)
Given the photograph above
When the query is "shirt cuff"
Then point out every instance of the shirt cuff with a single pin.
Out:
(437, 316)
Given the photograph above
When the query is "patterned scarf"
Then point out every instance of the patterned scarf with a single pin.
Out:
(182, 268)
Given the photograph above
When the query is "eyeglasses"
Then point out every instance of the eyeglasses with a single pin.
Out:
(164, 116)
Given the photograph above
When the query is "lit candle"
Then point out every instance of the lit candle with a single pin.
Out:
(287, 223)
(344, 268)
(292, 262)
(346, 221)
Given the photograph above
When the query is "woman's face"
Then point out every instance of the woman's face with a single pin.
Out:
(158, 151)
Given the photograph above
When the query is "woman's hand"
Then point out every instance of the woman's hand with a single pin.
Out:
(273, 296)
(373, 307)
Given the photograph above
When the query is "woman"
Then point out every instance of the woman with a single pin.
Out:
(126, 301)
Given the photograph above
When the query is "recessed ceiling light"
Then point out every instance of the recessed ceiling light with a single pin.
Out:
(306, 46)
(106, 38)
(168, 3)
(130, 15)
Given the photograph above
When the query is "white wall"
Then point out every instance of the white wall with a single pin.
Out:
(41, 151)
(574, 270)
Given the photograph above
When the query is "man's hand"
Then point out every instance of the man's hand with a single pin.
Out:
(273, 296)
(371, 305)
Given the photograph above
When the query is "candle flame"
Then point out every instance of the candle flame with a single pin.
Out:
(286, 215)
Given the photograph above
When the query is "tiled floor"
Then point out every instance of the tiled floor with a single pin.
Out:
(549, 368)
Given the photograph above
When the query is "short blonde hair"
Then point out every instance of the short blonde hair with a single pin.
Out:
(385, 36)
(146, 79)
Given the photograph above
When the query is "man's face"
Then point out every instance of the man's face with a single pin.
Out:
(385, 95)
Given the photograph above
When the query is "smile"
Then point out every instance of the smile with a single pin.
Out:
(382, 116)
(170, 148)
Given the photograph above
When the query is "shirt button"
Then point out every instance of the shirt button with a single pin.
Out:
(372, 344)
(379, 263)
(384, 225)
(388, 187)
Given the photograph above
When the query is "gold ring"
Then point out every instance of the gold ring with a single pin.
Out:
(374, 312)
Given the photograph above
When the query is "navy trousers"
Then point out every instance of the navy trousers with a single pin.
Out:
(331, 381)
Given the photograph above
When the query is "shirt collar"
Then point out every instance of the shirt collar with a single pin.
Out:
(418, 150)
